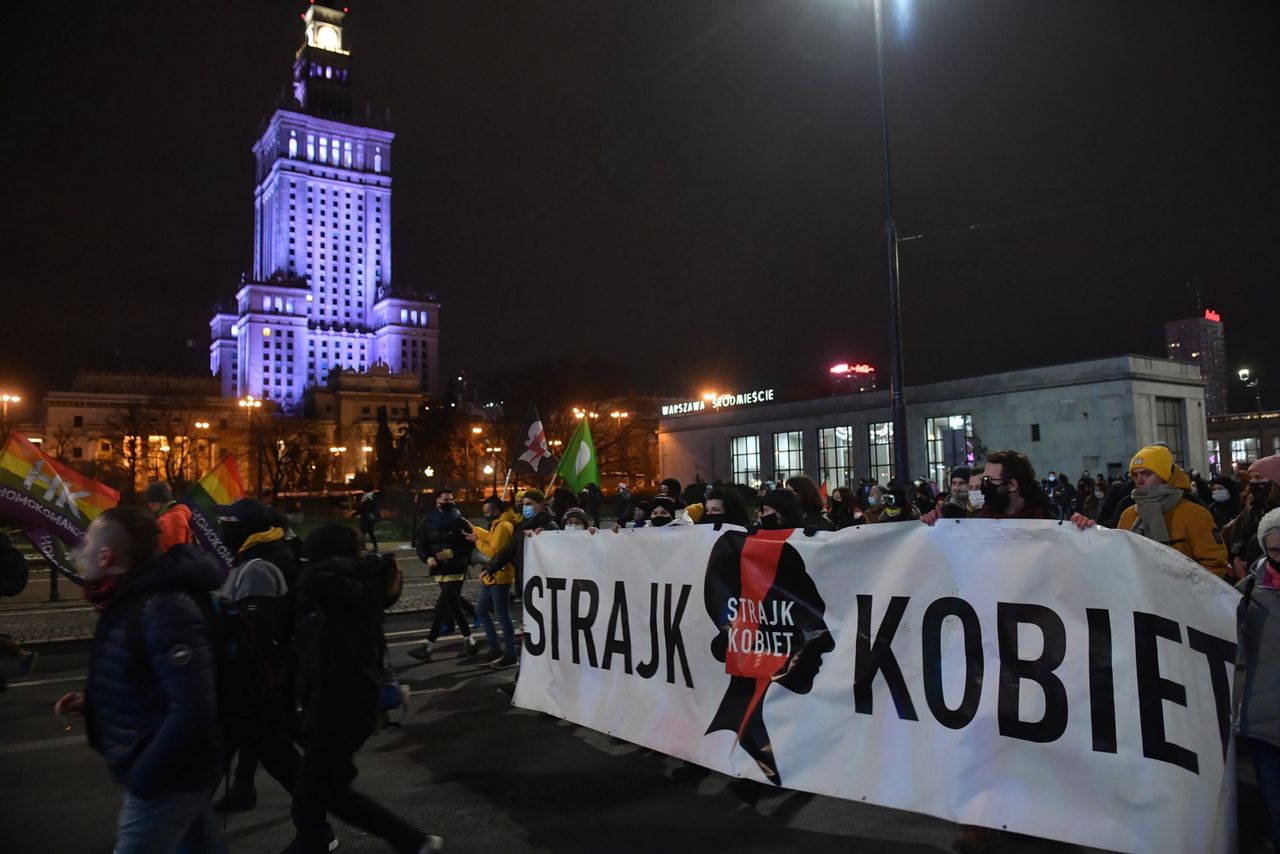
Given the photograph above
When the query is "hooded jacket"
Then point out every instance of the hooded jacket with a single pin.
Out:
(1191, 528)
(174, 522)
(494, 540)
(151, 696)
(1259, 634)
(513, 552)
(340, 647)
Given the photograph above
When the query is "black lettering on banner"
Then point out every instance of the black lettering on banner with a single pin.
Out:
(872, 658)
(612, 643)
(555, 585)
(580, 624)
(1220, 655)
(1102, 689)
(671, 633)
(531, 613)
(1153, 690)
(931, 641)
(1014, 670)
(646, 669)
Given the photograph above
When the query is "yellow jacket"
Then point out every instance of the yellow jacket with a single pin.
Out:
(1191, 529)
(495, 540)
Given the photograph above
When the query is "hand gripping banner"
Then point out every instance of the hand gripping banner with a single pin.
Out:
(1022, 675)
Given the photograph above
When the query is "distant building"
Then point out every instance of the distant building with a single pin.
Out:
(1201, 341)
(1237, 440)
(1085, 416)
(321, 296)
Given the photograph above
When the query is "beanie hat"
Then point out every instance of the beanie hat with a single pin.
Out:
(537, 496)
(1156, 458)
(664, 502)
(576, 513)
(158, 493)
(1268, 467)
(782, 501)
(250, 513)
(961, 472)
(1269, 523)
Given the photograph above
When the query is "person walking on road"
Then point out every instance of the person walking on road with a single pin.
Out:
(342, 596)
(150, 703)
(496, 593)
(174, 519)
(444, 548)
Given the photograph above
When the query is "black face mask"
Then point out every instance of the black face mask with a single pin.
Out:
(659, 521)
(711, 518)
(1260, 491)
(997, 501)
(772, 522)
(447, 507)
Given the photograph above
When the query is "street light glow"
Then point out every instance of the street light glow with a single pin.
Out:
(1244, 375)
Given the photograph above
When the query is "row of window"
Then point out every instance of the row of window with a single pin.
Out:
(335, 151)
(1243, 451)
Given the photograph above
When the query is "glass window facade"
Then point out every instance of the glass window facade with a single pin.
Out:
(949, 442)
(744, 459)
(880, 456)
(788, 454)
(835, 457)
(1244, 451)
(1171, 427)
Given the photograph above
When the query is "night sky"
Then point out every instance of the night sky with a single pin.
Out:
(690, 189)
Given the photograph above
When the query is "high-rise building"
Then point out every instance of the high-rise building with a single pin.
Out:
(321, 297)
(1201, 341)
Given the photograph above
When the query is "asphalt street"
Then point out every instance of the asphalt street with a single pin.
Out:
(463, 764)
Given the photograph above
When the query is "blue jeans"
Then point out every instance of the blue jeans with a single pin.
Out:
(174, 822)
(1266, 765)
(497, 597)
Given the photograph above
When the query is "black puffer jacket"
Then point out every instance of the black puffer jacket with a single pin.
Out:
(443, 538)
(340, 647)
(152, 705)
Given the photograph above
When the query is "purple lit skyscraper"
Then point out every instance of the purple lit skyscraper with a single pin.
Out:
(321, 297)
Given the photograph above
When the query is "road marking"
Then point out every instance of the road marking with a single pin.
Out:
(43, 744)
(31, 683)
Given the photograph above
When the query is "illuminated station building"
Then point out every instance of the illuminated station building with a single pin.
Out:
(321, 298)
(1086, 416)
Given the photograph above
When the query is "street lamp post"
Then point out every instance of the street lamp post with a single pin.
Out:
(898, 407)
(492, 468)
(251, 405)
(4, 424)
(1254, 384)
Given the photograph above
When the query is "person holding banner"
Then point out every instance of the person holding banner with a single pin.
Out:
(496, 594)
(1259, 726)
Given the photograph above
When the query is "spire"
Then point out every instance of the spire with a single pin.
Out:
(322, 67)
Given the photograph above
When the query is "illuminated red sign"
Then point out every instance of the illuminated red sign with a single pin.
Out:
(1212, 315)
(846, 368)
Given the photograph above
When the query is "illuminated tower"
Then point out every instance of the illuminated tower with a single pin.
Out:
(1201, 341)
(321, 295)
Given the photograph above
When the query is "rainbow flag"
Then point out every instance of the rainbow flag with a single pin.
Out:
(221, 486)
(37, 491)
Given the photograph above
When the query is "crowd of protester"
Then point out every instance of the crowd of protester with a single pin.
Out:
(282, 660)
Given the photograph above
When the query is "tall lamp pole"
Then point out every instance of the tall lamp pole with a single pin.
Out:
(1254, 384)
(251, 405)
(4, 425)
(898, 407)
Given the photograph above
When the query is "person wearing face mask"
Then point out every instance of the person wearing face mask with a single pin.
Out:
(443, 546)
(535, 516)
(958, 504)
(976, 498)
(495, 596)
(1010, 489)
(576, 519)
(780, 509)
(639, 516)
(724, 505)
(896, 507)
(810, 503)
(1259, 637)
(844, 512)
(662, 512)
(1224, 500)
(875, 503)
(1264, 496)
(1163, 510)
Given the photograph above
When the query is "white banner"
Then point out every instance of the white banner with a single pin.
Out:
(1021, 675)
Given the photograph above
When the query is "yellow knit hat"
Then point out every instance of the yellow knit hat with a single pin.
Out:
(1155, 458)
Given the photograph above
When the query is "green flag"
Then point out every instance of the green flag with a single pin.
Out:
(578, 466)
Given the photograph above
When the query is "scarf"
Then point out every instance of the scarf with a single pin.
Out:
(101, 594)
(1152, 503)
